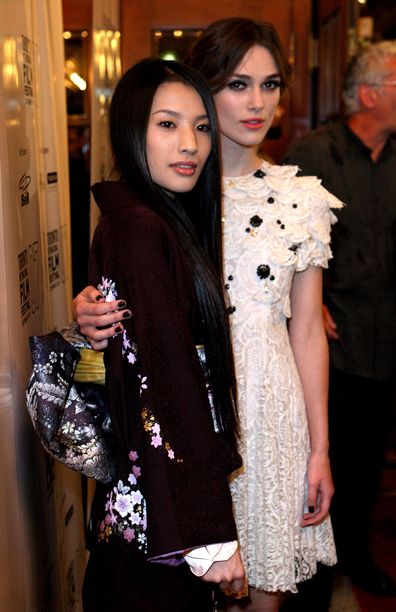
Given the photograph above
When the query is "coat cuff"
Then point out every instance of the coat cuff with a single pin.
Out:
(201, 559)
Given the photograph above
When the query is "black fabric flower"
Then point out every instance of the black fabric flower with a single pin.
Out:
(256, 221)
(263, 271)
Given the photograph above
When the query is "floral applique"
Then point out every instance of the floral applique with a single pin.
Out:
(126, 514)
(154, 429)
(129, 348)
(107, 288)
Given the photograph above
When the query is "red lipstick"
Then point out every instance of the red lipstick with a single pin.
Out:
(184, 168)
(253, 123)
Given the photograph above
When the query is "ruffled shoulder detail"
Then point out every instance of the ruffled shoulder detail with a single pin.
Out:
(298, 215)
(317, 205)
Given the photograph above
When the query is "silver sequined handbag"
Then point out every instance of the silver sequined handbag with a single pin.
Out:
(70, 418)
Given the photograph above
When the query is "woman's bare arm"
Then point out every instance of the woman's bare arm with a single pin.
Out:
(310, 349)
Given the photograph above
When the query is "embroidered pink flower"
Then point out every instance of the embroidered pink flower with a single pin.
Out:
(156, 441)
(132, 479)
(129, 348)
(129, 534)
(136, 497)
(126, 343)
(123, 504)
(135, 518)
(154, 429)
(126, 510)
(108, 289)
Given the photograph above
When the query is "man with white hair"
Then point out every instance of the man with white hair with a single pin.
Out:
(356, 160)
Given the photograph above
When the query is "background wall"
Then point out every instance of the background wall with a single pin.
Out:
(42, 551)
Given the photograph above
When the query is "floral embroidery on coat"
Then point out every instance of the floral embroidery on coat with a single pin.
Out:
(154, 429)
(126, 513)
(130, 352)
(108, 289)
(129, 348)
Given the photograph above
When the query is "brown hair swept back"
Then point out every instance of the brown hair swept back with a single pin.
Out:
(224, 43)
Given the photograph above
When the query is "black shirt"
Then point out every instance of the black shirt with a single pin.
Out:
(360, 285)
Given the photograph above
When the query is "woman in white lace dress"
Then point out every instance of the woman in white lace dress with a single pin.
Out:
(276, 240)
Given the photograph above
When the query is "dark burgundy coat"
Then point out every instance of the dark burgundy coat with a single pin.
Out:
(170, 492)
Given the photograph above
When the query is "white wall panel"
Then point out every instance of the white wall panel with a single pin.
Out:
(41, 543)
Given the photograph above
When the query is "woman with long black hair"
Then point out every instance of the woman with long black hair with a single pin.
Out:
(175, 445)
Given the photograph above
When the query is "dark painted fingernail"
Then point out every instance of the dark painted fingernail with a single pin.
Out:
(99, 297)
(126, 314)
(118, 329)
(121, 304)
(311, 509)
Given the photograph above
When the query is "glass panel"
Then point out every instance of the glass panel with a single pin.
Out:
(173, 44)
(76, 71)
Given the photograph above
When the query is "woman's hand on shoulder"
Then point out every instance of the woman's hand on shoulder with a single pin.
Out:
(99, 320)
(320, 489)
(229, 575)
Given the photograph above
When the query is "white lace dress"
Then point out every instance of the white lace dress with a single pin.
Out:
(275, 224)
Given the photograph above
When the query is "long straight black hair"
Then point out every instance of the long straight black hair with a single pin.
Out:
(195, 217)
